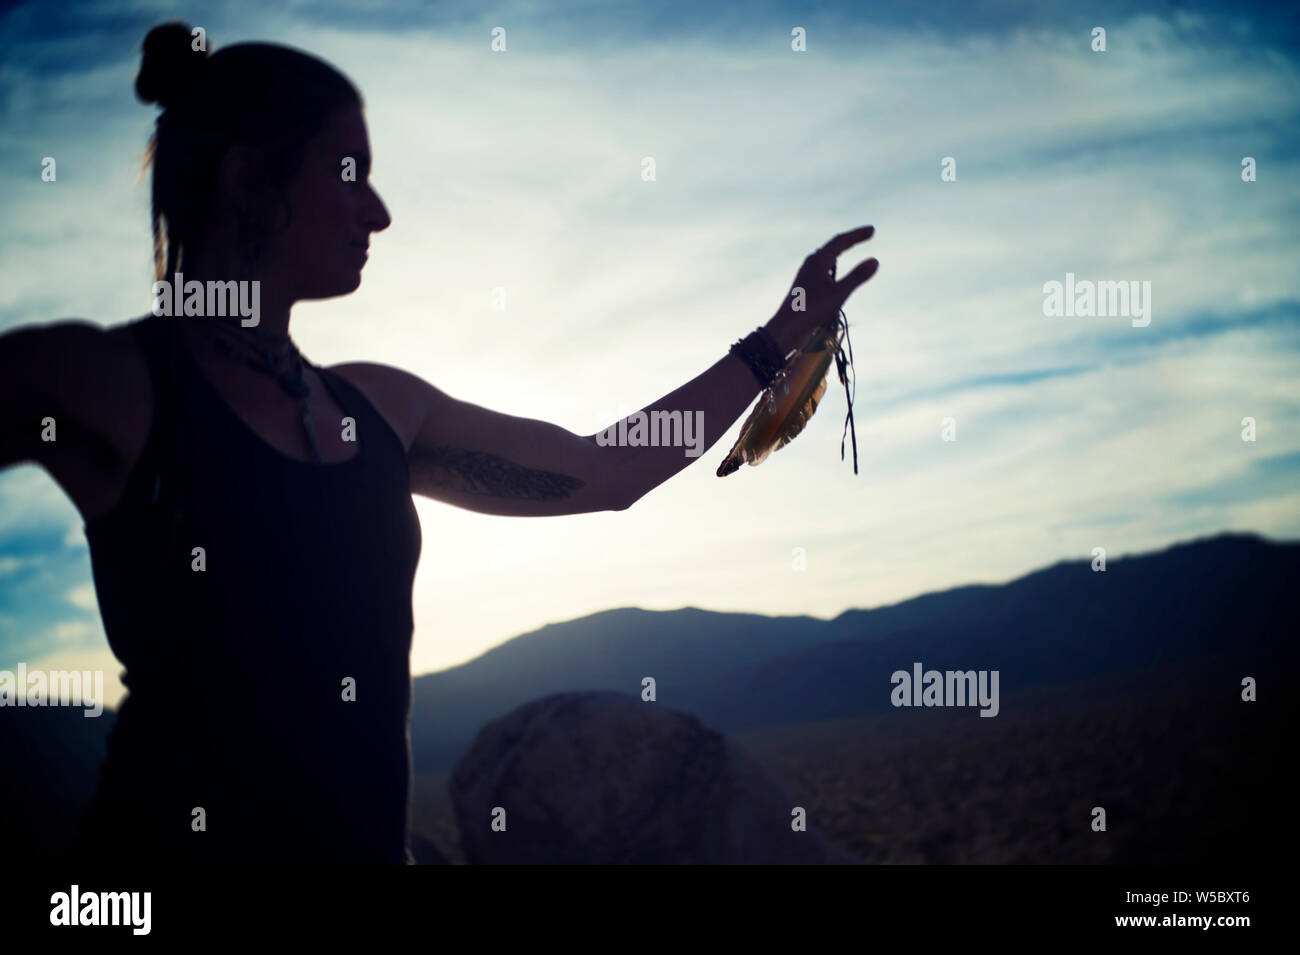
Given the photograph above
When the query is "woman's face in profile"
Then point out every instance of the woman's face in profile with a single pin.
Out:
(333, 211)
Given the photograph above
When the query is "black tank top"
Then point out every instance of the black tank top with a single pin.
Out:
(271, 689)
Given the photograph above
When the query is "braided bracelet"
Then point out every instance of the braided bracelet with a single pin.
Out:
(761, 353)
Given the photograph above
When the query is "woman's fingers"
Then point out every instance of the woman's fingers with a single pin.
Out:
(845, 240)
(849, 284)
(826, 294)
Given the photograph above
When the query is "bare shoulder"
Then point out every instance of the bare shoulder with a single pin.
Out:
(92, 372)
(105, 366)
(89, 382)
(72, 341)
(405, 400)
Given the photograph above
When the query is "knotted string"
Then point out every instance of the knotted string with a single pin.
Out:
(842, 366)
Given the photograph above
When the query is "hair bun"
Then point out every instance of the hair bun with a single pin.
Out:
(170, 64)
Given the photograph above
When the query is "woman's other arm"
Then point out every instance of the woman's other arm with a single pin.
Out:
(76, 400)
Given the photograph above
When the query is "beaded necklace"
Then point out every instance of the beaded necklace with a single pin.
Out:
(241, 345)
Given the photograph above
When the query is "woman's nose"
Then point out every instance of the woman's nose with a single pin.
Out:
(376, 215)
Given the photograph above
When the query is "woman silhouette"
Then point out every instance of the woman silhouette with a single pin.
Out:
(249, 516)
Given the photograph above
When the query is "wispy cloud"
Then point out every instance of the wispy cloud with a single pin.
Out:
(83, 596)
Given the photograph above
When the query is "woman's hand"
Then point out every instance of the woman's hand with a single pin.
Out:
(823, 296)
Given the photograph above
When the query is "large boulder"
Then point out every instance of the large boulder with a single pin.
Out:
(604, 778)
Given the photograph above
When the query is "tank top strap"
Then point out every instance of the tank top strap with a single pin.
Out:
(371, 424)
(164, 353)
(159, 341)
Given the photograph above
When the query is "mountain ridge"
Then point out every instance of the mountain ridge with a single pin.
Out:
(743, 671)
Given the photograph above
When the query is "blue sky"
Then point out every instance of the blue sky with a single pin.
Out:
(522, 170)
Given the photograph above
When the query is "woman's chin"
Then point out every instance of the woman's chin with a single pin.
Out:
(346, 280)
(342, 282)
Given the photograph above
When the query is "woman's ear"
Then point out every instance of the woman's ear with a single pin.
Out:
(246, 203)
(241, 178)
(250, 199)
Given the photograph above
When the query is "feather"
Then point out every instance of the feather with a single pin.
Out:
(785, 407)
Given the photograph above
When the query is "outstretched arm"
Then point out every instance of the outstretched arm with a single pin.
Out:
(76, 401)
(543, 469)
(496, 463)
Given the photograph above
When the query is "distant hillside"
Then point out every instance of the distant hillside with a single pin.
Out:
(1223, 601)
(1191, 619)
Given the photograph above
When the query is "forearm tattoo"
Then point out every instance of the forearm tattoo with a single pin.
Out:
(477, 472)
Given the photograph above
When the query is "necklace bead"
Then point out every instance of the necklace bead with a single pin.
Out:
(291, 379)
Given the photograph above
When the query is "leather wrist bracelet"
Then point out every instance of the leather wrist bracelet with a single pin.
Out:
(761, 353)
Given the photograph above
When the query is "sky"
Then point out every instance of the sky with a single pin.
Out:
(521, 169)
